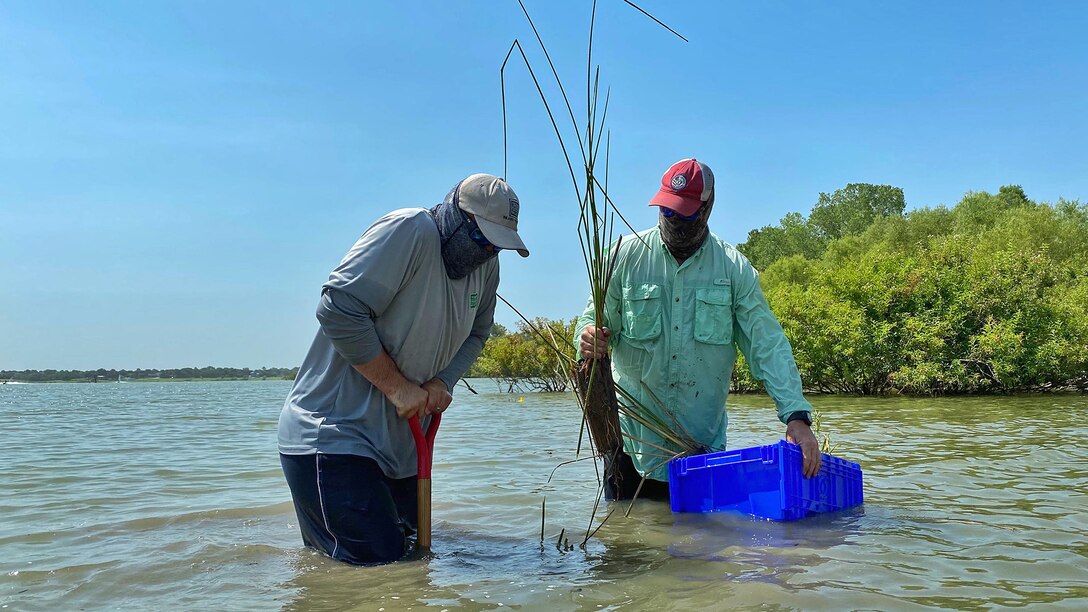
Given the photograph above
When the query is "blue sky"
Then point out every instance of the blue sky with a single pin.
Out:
(177, 179)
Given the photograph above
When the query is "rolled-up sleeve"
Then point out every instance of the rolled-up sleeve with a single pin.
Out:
(764, 344)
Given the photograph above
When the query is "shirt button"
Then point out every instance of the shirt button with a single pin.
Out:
(677, 299)
(676, 327)
(674, 356)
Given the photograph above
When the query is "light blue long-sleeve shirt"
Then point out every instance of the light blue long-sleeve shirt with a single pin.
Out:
(675, 332)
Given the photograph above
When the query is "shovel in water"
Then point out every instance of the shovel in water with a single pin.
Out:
(424, 452)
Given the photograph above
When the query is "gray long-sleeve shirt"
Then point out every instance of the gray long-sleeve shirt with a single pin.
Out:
(391, 291)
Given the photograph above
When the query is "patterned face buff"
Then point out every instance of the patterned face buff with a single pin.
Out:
(460, 252)
(683, 235)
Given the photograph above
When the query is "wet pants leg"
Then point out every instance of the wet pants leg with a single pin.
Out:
(348, 509)
(622, 480)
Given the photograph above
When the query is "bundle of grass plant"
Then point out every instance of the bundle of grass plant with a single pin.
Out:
(599, 398)
(597, 393)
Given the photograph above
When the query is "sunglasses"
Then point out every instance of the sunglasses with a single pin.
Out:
(475, 233)
(479, 238)
(669, 213)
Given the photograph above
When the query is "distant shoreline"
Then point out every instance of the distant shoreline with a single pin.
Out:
(103, 375)
(141, 380)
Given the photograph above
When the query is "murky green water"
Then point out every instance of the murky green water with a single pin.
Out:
(169, 496)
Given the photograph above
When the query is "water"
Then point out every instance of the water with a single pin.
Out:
(169, 496)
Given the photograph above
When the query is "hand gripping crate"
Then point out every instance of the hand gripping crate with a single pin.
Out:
(763, 481)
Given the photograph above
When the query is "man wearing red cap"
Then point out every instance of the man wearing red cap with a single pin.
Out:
(680, 303)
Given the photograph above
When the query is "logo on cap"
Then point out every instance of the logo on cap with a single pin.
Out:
(679, 182)
(514, 206)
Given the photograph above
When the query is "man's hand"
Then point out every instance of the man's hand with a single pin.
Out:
(438, 396)
(594, 342)
(410, 400)
(801, 434)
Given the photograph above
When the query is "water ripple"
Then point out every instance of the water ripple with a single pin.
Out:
(170, 496)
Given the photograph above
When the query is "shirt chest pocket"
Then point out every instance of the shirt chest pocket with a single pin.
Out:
(642, 311)
(714, 315)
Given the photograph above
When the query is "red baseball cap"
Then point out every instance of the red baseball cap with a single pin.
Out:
(685, 186)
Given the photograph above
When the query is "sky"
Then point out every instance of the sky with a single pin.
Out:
(177, 179)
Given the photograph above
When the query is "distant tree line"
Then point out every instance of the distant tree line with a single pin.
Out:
(111, 375)
(524, 360)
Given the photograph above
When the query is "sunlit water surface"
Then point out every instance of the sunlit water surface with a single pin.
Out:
(170, 496)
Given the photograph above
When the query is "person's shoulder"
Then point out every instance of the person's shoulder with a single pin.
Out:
(723, 246)
(408, 216)
(637, 242)
(409, 221)
(730, 253)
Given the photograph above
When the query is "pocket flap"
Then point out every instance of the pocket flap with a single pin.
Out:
(718, 297)
(645, 291)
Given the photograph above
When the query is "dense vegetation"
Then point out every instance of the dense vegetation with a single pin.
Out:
(988, 296)
(523, 361)
(103, 375)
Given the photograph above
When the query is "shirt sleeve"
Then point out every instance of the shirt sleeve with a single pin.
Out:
(349, 324)
(363, 285)
(613, 304)
(481, 330)
(764, 344)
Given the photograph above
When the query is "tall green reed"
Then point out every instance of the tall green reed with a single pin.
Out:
(596, 233)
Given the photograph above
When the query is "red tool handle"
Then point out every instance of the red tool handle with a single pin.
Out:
(424, 452)
(424, 444)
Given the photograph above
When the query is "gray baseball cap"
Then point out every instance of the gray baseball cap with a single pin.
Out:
(495, 206)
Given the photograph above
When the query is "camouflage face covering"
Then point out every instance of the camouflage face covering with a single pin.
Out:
(460, 253)
(683, 237)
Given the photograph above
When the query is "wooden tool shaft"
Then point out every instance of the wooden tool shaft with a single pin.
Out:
(423, 517)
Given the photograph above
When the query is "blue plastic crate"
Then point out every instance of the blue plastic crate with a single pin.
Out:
(763, 481)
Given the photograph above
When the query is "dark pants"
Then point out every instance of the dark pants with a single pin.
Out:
(348, 509)
(622, 480)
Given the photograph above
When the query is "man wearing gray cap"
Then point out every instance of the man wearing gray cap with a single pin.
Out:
(401, 319)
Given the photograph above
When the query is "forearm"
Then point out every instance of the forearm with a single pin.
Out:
(462, 361)
(383, 373)
(612, 298)
(589, 315)
(471, 348)
(783, 384)
(770, 357)
(583, 321)
(349, 324)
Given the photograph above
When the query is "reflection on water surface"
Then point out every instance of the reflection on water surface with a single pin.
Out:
(170, 496)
